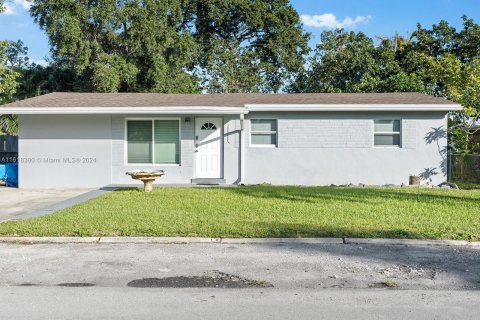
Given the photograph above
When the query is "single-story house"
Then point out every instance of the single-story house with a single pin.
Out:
(91, 139)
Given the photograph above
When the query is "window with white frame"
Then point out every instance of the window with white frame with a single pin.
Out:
(263, 132)
(153, 141)
(387, 133)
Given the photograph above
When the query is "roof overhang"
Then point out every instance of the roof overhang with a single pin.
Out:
(123, 110)
(354, 107)
(206, 110)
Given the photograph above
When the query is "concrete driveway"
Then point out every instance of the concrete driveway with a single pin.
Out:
(15, 203)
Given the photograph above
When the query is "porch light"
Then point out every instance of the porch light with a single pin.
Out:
(187, 121)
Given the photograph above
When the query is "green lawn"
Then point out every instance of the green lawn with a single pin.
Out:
(266, 211)
(468, 185)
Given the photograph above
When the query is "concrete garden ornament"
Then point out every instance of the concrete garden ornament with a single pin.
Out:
(147, 177)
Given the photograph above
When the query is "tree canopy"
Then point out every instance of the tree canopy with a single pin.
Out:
(8, 76)
(175, 46)
(8, 87)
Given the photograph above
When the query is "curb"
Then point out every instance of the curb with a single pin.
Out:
(194, 240)
(412, 242)
(166, 240)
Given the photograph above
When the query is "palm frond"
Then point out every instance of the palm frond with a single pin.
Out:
(9, 124)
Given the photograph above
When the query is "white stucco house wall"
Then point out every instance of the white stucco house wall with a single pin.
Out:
(73, 140)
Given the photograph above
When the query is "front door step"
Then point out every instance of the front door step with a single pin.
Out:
(208, 181)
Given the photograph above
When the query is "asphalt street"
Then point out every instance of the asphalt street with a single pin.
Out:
(241, 281)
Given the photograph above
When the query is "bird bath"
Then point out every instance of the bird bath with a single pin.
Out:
(147, 177)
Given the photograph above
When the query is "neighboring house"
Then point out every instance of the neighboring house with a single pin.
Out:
(91, 139)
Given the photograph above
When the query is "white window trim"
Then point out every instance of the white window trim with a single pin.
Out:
(152, 164)
(389, 133)
(251, 145)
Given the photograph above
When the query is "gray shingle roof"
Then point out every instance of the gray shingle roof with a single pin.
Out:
(74, 99)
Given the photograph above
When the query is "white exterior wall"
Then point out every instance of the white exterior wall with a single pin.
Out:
(45, 140)
(316, 148)
(175, 174)
(59, 151)
(337, 148)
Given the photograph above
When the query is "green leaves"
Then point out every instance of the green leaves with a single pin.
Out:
(248, 46)
(111, 73)
(118, 46)
(167, 46)
(8, 76)
(9, 124)
(8, 87)
(462, 83)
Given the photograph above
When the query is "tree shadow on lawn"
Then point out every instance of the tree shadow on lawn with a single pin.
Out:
(351, 194)
(461, 262)
(274, 229)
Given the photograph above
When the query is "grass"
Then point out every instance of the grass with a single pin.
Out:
(266, 211)
(468, 185)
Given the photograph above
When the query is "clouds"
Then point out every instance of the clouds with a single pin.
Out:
(12, 7)
(40, 62)
(330, 21)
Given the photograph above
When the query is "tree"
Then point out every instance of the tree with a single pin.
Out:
(351, 62)
(443, 39)
(101, 40)
(435, 42)
(462, 85)
(8, 76)
(342, 62)
(166, 46)
(8, 86)
(468, 41)
(17, 55)
(262, 41)
(231, 70)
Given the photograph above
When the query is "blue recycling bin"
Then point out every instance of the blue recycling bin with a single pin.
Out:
(9, 173)
(3, 171)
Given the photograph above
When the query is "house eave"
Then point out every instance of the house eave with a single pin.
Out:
(207, 110)
(124, 110)
(353, 107)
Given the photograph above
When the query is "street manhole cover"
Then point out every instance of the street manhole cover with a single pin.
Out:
(216, 280)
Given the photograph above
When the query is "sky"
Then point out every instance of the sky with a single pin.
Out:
(374, 17)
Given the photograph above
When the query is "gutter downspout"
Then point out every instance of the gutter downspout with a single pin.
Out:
(242, 151)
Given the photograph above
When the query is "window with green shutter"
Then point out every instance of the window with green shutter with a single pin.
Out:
(153, 141)
(166, 137)
(139, 137)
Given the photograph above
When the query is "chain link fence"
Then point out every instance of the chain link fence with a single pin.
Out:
(464, 168)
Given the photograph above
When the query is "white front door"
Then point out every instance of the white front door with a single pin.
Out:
(208, 147)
